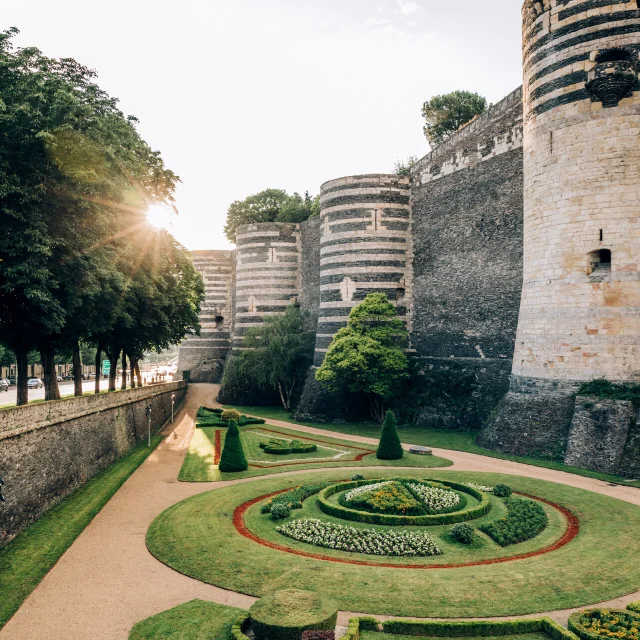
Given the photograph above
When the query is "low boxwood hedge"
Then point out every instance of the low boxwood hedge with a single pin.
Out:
(356, 625)
(581, 620)
(525, 520)
(339, 511)
(284, 615)
(239, 627)
(281, 447)
(634, 606)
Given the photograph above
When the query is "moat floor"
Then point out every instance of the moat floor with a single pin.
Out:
(107, 581)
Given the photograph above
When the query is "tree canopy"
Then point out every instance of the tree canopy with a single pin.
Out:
(279, 353)
(445, 114)
(78, 259)
(404, 167)
(368, 355)
(270, 205)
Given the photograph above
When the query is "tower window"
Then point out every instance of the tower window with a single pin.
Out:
(599, 262)
(219, 320)
(614, 55)
(601, 235)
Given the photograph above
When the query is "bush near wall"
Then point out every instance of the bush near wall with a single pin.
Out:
(344, 513)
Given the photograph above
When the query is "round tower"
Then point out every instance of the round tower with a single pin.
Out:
(365, 247)
(267, 273)
(580, 309)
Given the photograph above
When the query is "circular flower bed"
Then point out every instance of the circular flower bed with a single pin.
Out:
(595, 624)
(367, 541)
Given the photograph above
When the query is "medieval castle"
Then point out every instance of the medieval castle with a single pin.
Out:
(512, 251)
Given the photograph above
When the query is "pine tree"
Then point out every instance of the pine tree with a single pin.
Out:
(233, 459)
(389, 447)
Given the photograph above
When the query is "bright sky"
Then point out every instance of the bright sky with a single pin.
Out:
(243, 95)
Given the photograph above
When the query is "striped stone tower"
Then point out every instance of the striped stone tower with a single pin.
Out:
(580, 310)
(267, 273)
(365, 247)
(204, 355)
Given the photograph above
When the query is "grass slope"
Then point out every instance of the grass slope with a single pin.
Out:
(198, 465)
(28, 558)
(195, 620)
(600, 564)
(437, 438)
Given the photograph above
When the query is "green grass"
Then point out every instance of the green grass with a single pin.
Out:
(197, 537)
(437, 438)
(199, 465)
(195, 620)
(28, 558)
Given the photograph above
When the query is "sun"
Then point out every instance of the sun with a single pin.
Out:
(160, 216)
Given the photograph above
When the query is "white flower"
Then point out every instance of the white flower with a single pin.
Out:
(359, 491)
(435, 498)
(480, 487)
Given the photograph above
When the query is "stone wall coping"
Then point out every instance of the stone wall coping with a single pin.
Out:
(476, 125)
(605, 401)
(19, 420)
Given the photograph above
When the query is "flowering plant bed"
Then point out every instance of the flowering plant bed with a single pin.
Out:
(367, 541)
(594, 624)
(384, 497)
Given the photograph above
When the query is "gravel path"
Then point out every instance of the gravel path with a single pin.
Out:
(107, 581)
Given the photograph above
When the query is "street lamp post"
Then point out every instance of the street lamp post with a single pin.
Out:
(173, 401)
(148, 412)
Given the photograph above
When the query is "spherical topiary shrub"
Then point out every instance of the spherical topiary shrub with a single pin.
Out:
(357, 476)
(280, 511)
(285, 615)
(502, 491)
(463, 533)
(233, 459)
(230, 414)
(389, 447)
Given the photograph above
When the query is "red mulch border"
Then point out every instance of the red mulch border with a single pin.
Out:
(303, 436)
(573, 529)
(217, 446)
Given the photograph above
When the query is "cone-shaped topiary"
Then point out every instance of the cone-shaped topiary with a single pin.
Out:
(233, 459)
(389, 447)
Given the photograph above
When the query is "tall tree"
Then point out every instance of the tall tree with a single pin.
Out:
(279, 353)
(367, 356)
(445, 114)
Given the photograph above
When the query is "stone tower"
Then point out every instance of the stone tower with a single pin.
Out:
(580, 308)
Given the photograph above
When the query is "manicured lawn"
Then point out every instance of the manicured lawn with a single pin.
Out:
(30, 556)
(437, 438)
(195, 620)
(199, 464)
(197, 537)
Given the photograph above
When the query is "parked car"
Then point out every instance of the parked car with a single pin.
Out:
(12, 380)
(34, 383)
(59, 378)
(4, 385)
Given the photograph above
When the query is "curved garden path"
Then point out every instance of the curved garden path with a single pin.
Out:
(107, 580)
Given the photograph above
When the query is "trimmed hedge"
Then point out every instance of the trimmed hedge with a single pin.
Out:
(466, 629)
(319, 635)
(284, 615)
(294, 498)
(282, 447)
(356, 625)
(212, 417)
(634, 606)
(238, 629)
(345, 513)
(233, 459)
(577, 620)
(390, 447)
(525, 520)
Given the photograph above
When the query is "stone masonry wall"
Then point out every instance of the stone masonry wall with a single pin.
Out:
(467, 267)
(49, 449)
(599, 432)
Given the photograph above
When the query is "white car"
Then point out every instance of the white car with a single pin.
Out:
(34, 383)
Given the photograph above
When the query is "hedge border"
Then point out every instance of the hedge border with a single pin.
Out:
(237, 631)
(353, 515)
(579, 629)
(634, 607)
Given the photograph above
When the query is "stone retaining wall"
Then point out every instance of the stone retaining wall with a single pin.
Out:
(49, 449)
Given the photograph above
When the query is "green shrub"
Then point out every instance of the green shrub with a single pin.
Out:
(237, 631)
(284, 615)
(282, 447)
(294, 498)
(463, 533)
(634, 606)
(280, 511)
(389, 447)
(357, 476)
(339, 511)
(502, 491)
(233, 459)
(230, 415)
(213, 417)
(595, 624)
(448, 629)
(610, 390)
(525, 520)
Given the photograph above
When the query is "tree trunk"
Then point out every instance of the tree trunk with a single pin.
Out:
(283, 397)
(376, 405)
(98, 368)
(51, 390)
(113, 373)
(123, 384)
(132, 371)
(21, 376)
(138, 374)
(77, 369)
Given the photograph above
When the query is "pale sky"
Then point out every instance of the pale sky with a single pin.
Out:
(243, 95)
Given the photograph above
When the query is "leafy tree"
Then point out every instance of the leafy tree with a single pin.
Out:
(390, 447)
(367, 356)
(270, 205)
(279, 353)
(404, 167)
(445, 114)
(232, 459)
